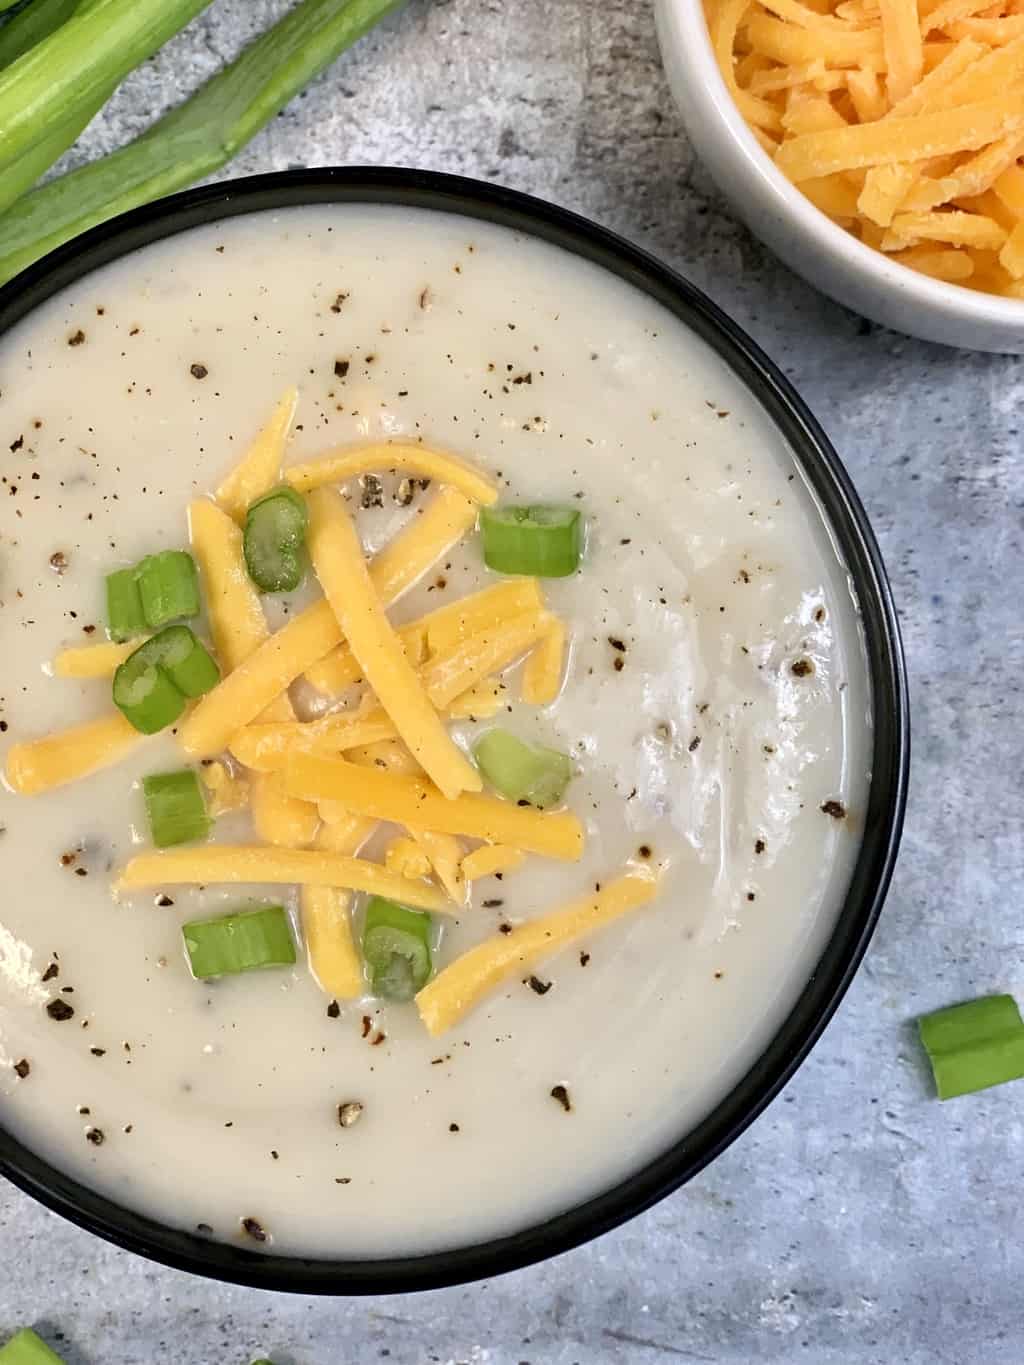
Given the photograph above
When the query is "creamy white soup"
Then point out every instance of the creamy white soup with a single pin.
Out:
(713, 703)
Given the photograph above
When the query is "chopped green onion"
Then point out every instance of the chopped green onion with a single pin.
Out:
(194, 139)
(275, 533)
(125, 617)
(544, 542)
(520, 771)
(151, 686)
(396, 948)
(168, 586)
(975, 1045)
(25, 1348)
(239, 943)
(176, 808)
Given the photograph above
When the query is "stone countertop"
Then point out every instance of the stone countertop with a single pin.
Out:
(859, 1221)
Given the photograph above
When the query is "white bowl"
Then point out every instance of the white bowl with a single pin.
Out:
(809, 242)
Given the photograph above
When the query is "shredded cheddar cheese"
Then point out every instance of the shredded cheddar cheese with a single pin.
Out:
(94, 661)
(488, 859)
(899, 119)
(338, 560)
(259, 469)
(413, 801)
(234, 865)
(53, 761)
(408, 456)
(461, 985)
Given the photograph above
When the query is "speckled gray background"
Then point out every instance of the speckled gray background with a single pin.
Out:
(859, 1221)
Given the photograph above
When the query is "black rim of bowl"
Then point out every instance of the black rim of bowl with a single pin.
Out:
(890, 759)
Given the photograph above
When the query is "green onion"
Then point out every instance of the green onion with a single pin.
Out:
(975, 1045)
(239, 943)
(544, 542)
(168, 586)
(396, 948)
(176, 808)
(35, 22)
(125, 617)
(69, 70)
(275, 533)
(25, 1348)
(522, 772)
(152, 684)
(193, 140)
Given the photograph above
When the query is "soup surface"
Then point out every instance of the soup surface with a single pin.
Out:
(715, 701)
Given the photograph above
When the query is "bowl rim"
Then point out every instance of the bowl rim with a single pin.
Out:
(691, 45)
(889, 760)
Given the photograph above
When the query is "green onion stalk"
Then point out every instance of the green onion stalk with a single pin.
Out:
(192, 141)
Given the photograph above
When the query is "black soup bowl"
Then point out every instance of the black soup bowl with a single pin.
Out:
(889, 757)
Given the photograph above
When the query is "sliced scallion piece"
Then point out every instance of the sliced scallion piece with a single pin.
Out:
(974, 1046)
(168, 587)
(25, 1348)
(241, 942)
(176, 808)
(542, 541)
(396, 948)
(275, 534)
(521, 771)
(125, 617)
(151, 686)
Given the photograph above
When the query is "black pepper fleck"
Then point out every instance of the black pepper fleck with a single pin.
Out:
(76, 338)
(254, 1229)
(95, 1136)
(559, 1093)
(801, 668)
(493, 904)
(198, 371)
(22, 1068)
(834, 808)
(333, 1010)
(59, 1010)
(538, 986)
(341, 368)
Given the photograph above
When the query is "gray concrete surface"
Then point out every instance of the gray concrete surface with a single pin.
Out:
(859, 1222)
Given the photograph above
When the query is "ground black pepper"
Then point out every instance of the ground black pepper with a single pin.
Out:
(759, 845)
(76, 338)
(254, 1229)
(559, 1093)
(51, 971)
(333, 1010)
(834, 808)
(802, 668)
(59, 1010)
(58, 561)
(341, 368)
(584, 959)
(538, 986)
(198, 371)
(22, 1068)
(493, 904)
(95, 1136)
(336, 306)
